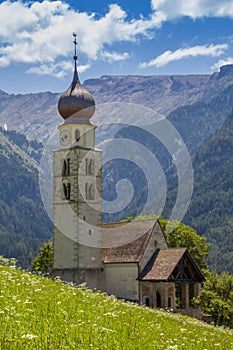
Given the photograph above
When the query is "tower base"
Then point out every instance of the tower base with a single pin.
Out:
(93, 278)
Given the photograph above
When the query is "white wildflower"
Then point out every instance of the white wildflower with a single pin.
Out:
(29, 336)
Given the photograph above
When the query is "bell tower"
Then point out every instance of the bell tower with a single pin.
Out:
(77, 190)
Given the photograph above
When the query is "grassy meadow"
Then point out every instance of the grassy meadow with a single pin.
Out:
(38, 313)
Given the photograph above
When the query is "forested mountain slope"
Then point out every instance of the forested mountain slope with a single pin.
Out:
(197, 122)
(24, 224)
(211, 209)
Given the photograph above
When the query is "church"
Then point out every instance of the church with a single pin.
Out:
(130, 260)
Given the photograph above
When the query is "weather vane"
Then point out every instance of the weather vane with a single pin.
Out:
(75, 45)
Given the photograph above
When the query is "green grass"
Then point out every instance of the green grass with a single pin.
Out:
(38, 313)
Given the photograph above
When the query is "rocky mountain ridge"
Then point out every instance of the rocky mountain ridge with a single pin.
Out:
(36, 116)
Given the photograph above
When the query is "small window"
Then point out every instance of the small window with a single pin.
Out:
(86, 191)
(86, 165)
(91, 167)
(77, 135)
(66, 167)
(66, 190)
(89, 232)
(91, 192)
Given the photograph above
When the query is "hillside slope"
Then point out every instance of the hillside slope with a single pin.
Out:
(38, 313)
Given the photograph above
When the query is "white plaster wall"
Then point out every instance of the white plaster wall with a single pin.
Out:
(121, 280)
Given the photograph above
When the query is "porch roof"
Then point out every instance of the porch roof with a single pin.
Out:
(167, 265)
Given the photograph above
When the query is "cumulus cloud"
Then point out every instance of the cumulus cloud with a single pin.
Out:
(58, 70)
(220, 63)
(115, 56)
(39, 33)
(194, 8)
(199, 50)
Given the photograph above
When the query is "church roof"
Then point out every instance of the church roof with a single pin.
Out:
(172, 264)
(126, 242)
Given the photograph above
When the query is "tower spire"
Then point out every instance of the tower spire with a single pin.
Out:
(75, 77)
(75, 46)
(76, 100)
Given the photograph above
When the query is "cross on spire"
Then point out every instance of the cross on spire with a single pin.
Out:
(75, 46)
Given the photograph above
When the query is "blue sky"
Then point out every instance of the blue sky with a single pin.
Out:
(115, 38)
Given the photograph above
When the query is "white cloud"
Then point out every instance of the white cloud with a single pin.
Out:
(194, 8)
(40, 33)
(57, 70)
(169, 56)
(220, 63)
(115, 56)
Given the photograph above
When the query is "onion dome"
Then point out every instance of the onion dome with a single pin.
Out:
(76, 104)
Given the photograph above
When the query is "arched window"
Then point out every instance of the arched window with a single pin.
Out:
(66, 167)
(91, 192)
(86, 165)
(66, 190)
(86, 191)
(77, 135)
(91, 167)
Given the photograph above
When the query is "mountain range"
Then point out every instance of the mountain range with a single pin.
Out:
(198, 106)
(36, 115)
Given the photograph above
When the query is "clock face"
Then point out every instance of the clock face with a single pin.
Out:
(65, 137)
